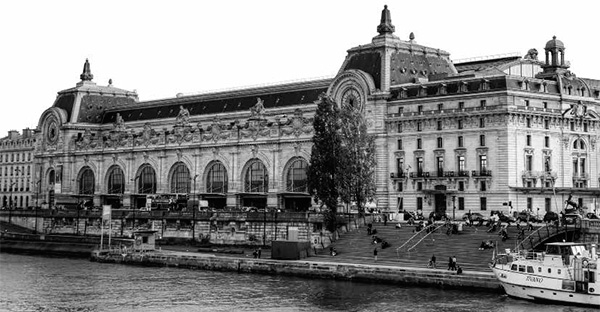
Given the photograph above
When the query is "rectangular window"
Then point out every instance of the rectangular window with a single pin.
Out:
(440, 166)
(545, 105)
(528, 162)
(460, 124)
(528, 121)
(419, 186)
(399, 166)
(400, 204)
(420, 109)
(483, 203)
(572, 126)
(482, 122)
(400, 110)
(399, 130)
(546, 124)
(529, 203)
(419, 166)
(482, 140)
(461, 186)
(440, 143)
(461, 105)
(546, 141)
(483, 186)
(439, 125)
(547, 204)
(483, 163)
(460, 141)
(528, 140)
(419, 144)
(400, 186)
(482, 103)
(461, 163)
(441, 106)
(419, 126)
(420, 203)
(399, 146)
(527, 103)
(461, 203)
(585, 127)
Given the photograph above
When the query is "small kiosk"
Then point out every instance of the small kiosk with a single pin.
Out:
(144, 240)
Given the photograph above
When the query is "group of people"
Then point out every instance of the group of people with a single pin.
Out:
(257, 253)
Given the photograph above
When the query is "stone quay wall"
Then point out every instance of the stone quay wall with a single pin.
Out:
(309, 269)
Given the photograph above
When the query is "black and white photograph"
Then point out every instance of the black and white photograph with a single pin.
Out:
(299, 156)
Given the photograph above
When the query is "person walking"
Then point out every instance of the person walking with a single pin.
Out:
(375, 254)
(449, 263)
(432, 261)
(454, 263)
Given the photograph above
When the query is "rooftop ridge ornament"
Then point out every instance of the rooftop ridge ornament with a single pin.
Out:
(87, 73)
(386, 27)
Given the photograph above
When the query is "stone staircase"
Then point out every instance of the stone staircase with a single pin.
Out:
(357, 247)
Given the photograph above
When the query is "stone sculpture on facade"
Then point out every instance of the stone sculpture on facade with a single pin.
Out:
(258, 109)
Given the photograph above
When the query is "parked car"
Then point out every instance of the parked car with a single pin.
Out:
(525, 215)
(502, 217)
(475, 217)
(550, 216)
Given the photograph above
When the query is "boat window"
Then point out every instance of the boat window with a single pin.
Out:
(530, 269)
(558, 271)
(549, 270)
(521, 268)
(513, 267)
(540, 269)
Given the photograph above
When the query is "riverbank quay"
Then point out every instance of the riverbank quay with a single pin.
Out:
(369, 273)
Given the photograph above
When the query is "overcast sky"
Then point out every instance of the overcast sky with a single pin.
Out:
(161, 48)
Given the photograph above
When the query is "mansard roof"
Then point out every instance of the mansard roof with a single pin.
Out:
(279, 96)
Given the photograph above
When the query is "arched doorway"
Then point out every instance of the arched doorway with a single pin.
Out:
(115, 187)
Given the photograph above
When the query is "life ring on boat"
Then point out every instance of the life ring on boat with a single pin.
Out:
(585, 263)
(138, 242)
(591, 290)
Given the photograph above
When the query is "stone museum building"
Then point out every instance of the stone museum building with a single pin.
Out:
(498, 133)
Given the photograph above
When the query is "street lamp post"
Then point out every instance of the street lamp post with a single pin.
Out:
(10, 202)
(453, 208)
(194, 210)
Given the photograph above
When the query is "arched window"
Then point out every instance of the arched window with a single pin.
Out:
(86, 181)
(216, 179)
(51, 177)
(256, 179)
(180, 179)
(296, 177)
(146, 180)
(116, 181)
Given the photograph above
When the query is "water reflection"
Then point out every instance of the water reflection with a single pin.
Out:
(34, 283)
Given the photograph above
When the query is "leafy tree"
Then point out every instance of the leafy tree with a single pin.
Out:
(323, 168)
(357, 155)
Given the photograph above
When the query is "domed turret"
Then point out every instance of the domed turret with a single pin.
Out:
(555, 56)
(554, 44)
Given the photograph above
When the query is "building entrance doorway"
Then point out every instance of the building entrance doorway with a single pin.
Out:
(440, 200)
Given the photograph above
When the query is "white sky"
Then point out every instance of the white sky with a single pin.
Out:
(161, 48)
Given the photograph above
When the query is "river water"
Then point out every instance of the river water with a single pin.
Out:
(37, 283)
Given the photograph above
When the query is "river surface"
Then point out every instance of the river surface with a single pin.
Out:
(38, 283)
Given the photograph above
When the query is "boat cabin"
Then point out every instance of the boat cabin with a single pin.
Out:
(144, 240)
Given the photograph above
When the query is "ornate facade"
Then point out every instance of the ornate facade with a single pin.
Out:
(449, 135)
(17, 186)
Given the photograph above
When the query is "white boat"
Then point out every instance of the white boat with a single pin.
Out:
(565, 273)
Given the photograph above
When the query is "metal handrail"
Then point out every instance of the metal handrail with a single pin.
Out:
(430, 232)
(424, 230)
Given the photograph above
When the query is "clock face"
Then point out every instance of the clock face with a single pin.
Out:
(352, 98)
(52, 131)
